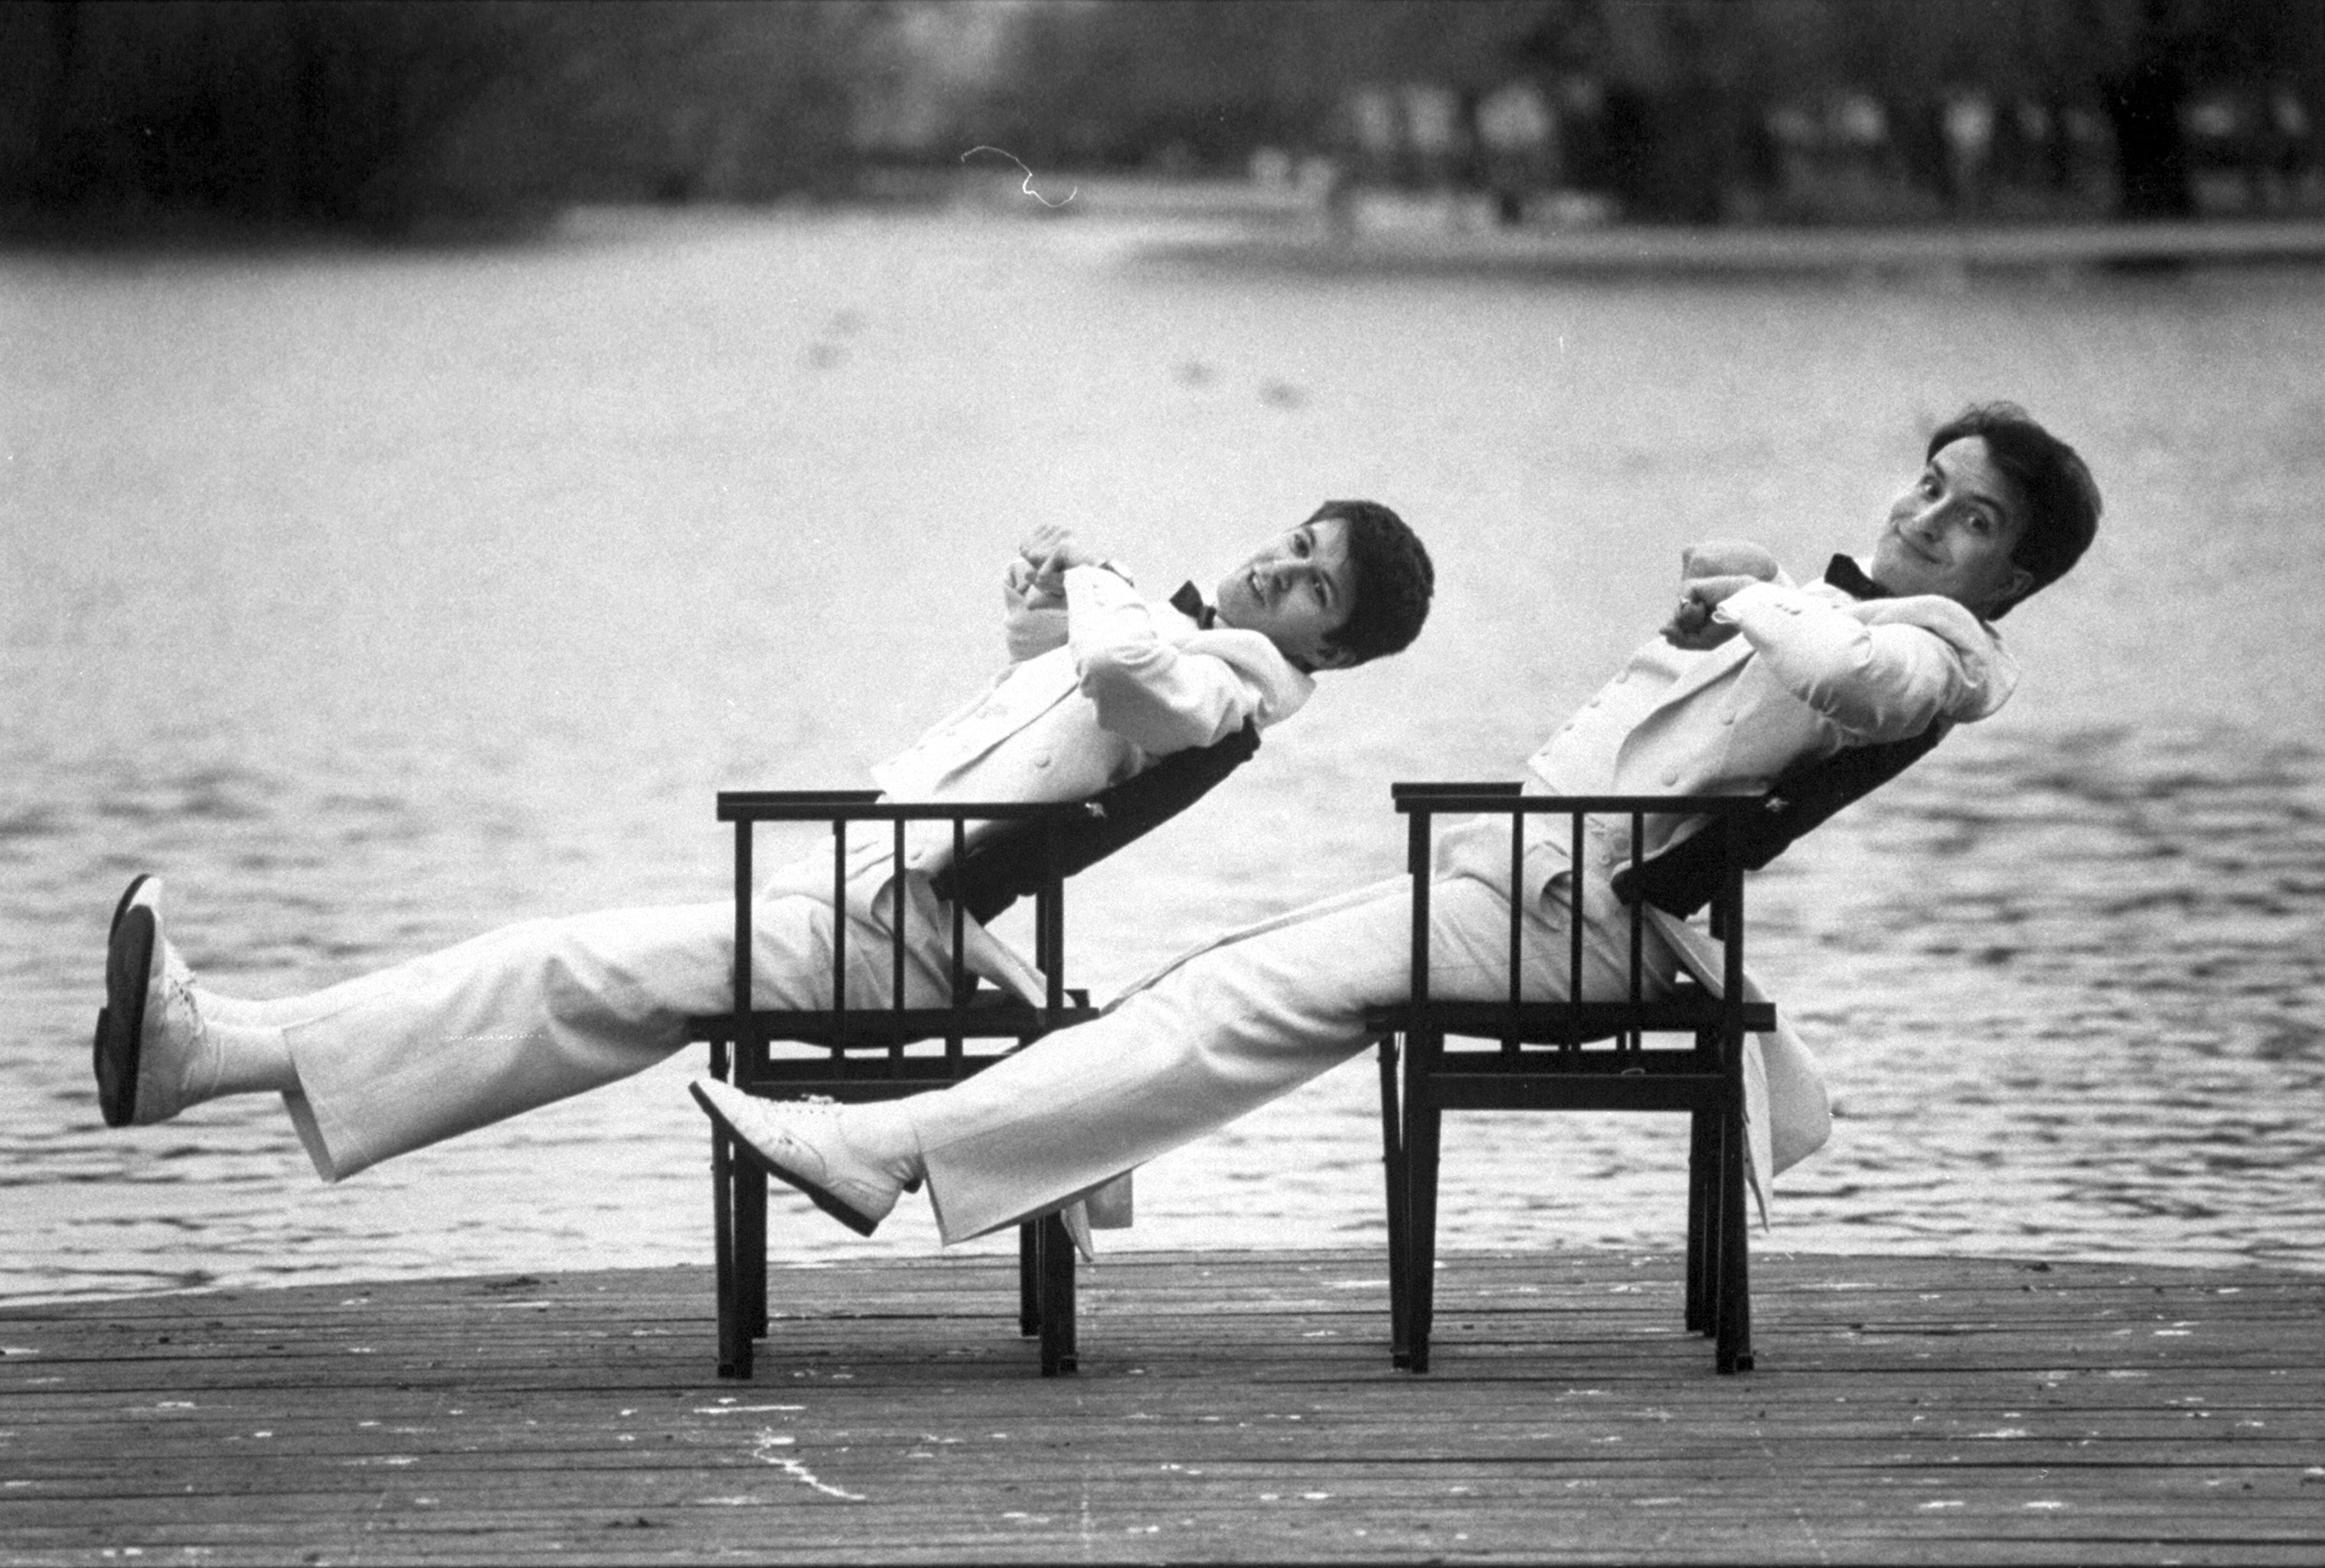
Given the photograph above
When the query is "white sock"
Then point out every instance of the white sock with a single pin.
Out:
(279, 1012)
(237, 1050)
(252, 1058)
(220, 1008)
(882, 1131)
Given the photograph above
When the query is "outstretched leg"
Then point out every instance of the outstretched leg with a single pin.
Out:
(1216, 1037)
(516, 1018)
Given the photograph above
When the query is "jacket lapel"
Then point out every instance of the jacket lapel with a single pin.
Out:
(1707, 669)
(1039, 685)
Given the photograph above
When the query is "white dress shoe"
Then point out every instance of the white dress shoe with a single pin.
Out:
(150, 1048)
(804, 1145)
(217, 1007)
(144, 892)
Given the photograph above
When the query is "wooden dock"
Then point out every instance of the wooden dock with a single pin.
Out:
(1229, 1407)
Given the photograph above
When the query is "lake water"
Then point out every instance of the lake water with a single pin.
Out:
(380, 599)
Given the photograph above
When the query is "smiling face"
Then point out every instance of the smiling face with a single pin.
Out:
(1953, 531)
(1296, 590)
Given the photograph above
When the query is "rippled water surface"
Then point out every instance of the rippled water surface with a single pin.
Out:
(381, 600)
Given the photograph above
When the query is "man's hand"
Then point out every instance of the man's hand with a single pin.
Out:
(1025, 592)
(1690, 625)
(1049, 550)
(1727, 558)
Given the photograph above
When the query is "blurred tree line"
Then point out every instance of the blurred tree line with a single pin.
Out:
(388, 113)
(385, 113)
(1675, 109)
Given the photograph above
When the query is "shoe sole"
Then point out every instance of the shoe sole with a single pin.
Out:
(750, 1156)
(121, 1022)
(128, 894)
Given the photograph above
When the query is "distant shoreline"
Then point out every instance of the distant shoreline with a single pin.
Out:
(1243, 224)
(1750, 251)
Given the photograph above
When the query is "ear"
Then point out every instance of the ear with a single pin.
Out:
(2022, 583)
(1335, 657)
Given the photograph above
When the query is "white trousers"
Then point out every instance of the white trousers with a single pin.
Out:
(534, 1011)
(1227, 1030)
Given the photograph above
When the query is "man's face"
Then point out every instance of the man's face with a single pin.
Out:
(1953, 531)
(1296, 590)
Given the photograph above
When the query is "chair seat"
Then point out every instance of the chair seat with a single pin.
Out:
(862, 1053)
(1558, 1023)
(989, 1015)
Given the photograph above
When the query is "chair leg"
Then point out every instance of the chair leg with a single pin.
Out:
(751, 1247)
(1421, 1119)
(734, 1335)
(1701, 1141)
(1734, 1353)
(1057, 1248)
(1393, 1167)
(1029, 1278)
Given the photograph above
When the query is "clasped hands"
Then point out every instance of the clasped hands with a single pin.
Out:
(1039, 573)
(1708, 574)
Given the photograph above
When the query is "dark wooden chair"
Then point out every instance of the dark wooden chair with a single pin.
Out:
(861, 1052)
(1572, 1054)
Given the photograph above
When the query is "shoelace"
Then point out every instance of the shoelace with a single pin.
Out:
(178, 994)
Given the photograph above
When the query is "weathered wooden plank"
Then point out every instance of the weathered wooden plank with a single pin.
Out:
(1932, 1410)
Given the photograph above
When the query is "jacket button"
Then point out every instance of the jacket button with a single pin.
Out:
(1042, 760)
(1728, 719)
(1671, 779)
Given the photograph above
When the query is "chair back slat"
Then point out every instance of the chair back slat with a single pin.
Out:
(897, 917)
(838, 924)
(1631, 1039)
(1518, 933)
(1422, 803)
(843, 1026)
(957, 971)
(1577, 865)
(1416, 862)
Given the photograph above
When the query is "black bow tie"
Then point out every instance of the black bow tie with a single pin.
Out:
(1189, 602)
(1849, 578)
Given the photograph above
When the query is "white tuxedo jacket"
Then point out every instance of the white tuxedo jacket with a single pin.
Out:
(1094, 692)
(1813, 672)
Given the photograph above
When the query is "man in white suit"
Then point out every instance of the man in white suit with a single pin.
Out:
(1101, 685)
(1752, 678)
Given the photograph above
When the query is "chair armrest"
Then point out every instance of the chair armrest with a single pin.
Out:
(1424, 790)
(868, 806)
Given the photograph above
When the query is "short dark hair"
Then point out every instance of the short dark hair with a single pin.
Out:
(2063, 499)
(1391, 580)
